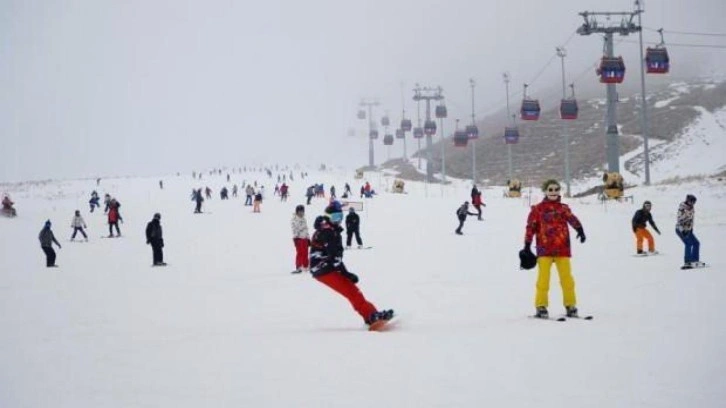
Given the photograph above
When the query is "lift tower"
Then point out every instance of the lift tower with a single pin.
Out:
(428, 94)
(625, 27)
(370, 103)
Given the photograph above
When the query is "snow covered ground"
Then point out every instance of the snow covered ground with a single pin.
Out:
(226, 324)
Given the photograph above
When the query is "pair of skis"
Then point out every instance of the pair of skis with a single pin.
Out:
(563, 318)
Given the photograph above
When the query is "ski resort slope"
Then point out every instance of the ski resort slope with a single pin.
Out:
(226, 324)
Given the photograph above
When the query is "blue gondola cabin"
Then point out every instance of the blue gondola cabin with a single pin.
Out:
(612, 70)
(460, 138)
(511, 135)
(568, 109)
(530, 109)
(657, 61)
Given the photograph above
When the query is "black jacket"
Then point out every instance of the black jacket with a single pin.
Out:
(153, 233)
(642, 217)
(352, 222)
(463, 211)
(326, 250)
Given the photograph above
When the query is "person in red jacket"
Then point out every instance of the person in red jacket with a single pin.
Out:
(548, 221)
(114, 217)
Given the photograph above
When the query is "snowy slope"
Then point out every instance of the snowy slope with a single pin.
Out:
(226, 324)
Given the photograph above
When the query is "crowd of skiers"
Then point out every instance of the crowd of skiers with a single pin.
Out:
(321, 252)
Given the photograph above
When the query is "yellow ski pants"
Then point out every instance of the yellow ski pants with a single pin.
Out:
(543, 280)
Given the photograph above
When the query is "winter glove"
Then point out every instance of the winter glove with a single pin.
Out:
(528, 246)
(581, 235)
(350, 276)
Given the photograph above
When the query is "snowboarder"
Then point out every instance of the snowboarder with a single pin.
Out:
(461, 214)
(548, 222)
(352, 227)
(301, 239)
(327, 267)
(78, 224)
(641, 217)
(47, 238)
(155, 238)
(114, 216)
(684, 230)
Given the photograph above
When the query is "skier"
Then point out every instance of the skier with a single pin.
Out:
(224, 193)
(234, 190)
(352, 226)
(283, 192)
(332, 191)
(461, 213)
(258, 201)
(106, 202)
(199, 199)
(114, 216)
(476, 201)
(327, 267)
(7, 208)
(548, 222)
(641, 217)
(155, 238)
(309, 193)
(301, 239)
(684, 230)
(93, 202)
(249, 191)
(208, 193)
(78, 224)
(47, 238)
(161, 184)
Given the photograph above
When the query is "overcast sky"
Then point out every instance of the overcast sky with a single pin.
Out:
(98, 88)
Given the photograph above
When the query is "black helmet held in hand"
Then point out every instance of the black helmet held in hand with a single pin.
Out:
(527, 259)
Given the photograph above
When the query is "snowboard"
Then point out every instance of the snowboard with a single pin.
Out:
(645, 254)
(157, 265)
(383, 325)
(699, 265)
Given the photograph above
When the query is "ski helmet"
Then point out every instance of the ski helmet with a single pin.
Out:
(527, 260)
(690, 198)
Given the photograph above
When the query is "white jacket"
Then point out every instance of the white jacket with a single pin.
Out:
(299, 227)
(78, 222)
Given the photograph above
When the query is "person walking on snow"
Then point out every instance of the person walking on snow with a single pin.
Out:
(476, 201)
(684, 230)
(301, 239)
(258, 201)
(93, 202)
(78, 224)
(352, 227)
(548, 222)
(461, 214)
(155, 238)
(641, 217)
(47, 238)
(327, 267)
(114, 216)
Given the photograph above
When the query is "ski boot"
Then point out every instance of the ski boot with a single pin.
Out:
(541, 313)
(688, 265)
(571, 311)
(380, 315)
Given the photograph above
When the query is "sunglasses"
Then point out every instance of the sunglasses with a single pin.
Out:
(553, 189)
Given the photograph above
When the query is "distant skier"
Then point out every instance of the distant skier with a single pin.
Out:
(249, 191)
(461, 214)
(155, 238)
(257, 202)
(198, 199)
(78, 224)
(332, 191)
(161, 184)
(284, 192)
(106, 202)
(352, 227)
(7, 206)
(47, 239)
(301, 239)
(114, 216)
(94, 201)
(310, 193)
(684, 230)
(548, 222)
(327, 267)
(476, 201)
(208, 193)
(224, 194)
(641, 217)
(234, 190)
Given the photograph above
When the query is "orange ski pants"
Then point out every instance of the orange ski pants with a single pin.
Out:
(643, 234)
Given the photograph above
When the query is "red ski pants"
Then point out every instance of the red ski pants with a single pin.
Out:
(334, 280)
(301, 252)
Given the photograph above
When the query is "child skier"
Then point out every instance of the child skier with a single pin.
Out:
(78, 224)
(461, 214)
(301, 239)
(47, 238)
(114, 216)
(548, 222)
(684, 230)
(327, 267)
(476, 201)
(641, 217)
